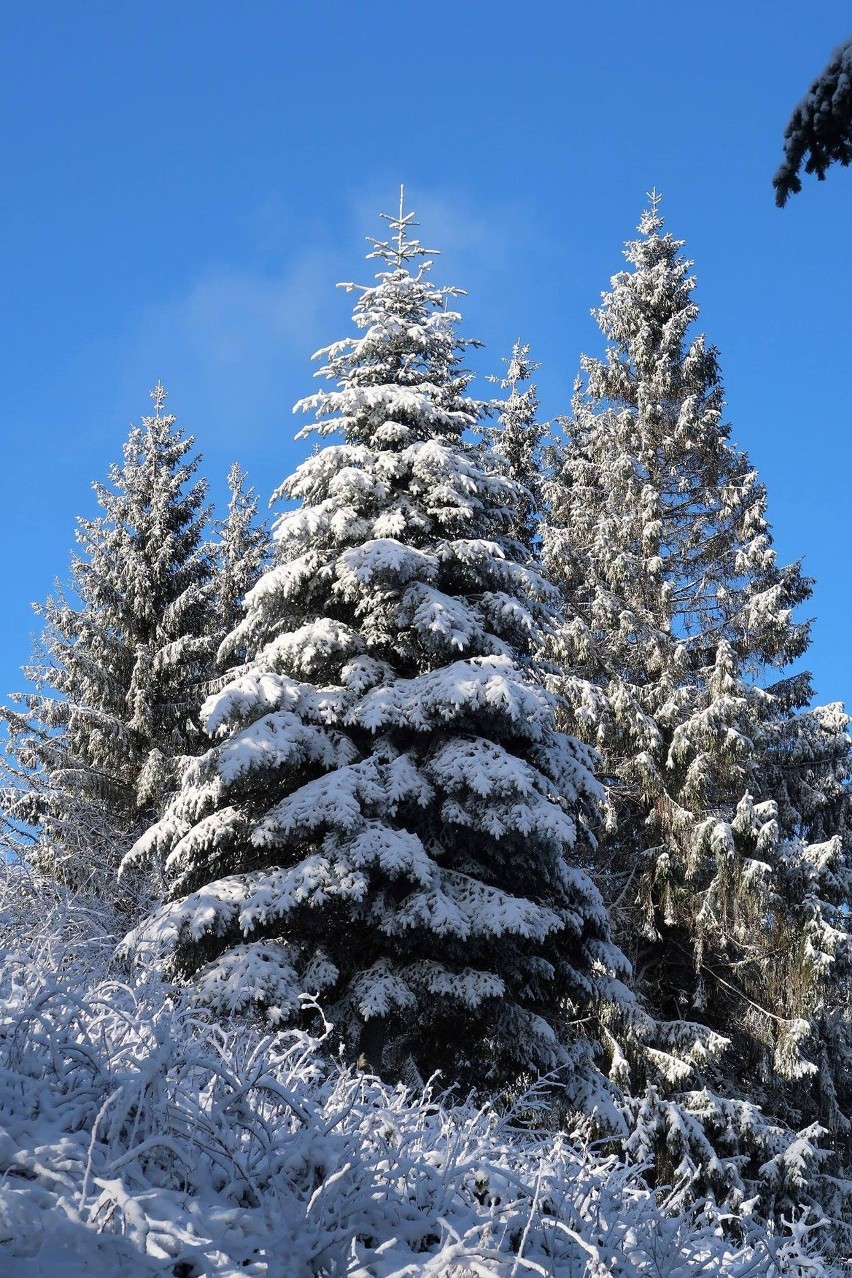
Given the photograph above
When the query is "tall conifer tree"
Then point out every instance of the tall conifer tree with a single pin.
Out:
(389, 817)
(726, 881)
(241, 553)
(518, 438)
(120, 669)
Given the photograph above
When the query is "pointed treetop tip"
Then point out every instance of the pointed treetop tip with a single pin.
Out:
(652, 219)
(401, 219)
(400, 224)
(159, 395)
(521, 367)
(400, 249)
(237, 475)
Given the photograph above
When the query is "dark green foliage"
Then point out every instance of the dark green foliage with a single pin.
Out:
(819, 133)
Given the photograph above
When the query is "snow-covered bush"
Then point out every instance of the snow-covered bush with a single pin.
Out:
(137, 1138)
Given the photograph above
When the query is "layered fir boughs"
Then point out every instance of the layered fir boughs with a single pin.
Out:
(389, 818)
(723, 860)
(120, 669)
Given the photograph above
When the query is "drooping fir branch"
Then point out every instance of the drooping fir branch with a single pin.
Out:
(819, 132)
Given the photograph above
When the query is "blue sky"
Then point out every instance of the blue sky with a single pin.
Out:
(184, 184)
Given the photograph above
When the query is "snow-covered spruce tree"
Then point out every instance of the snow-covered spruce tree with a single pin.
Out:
(518, 438)
(241, 553)
(724, 876)
(389, 817)
(120, 668)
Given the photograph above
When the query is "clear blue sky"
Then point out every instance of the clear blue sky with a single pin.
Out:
(183, 184)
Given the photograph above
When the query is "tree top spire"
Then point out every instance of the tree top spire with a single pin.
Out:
(400, 249)
(652, 219)
(159, 395)
(400, 223)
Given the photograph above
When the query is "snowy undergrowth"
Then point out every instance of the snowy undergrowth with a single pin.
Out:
(139, 1139)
